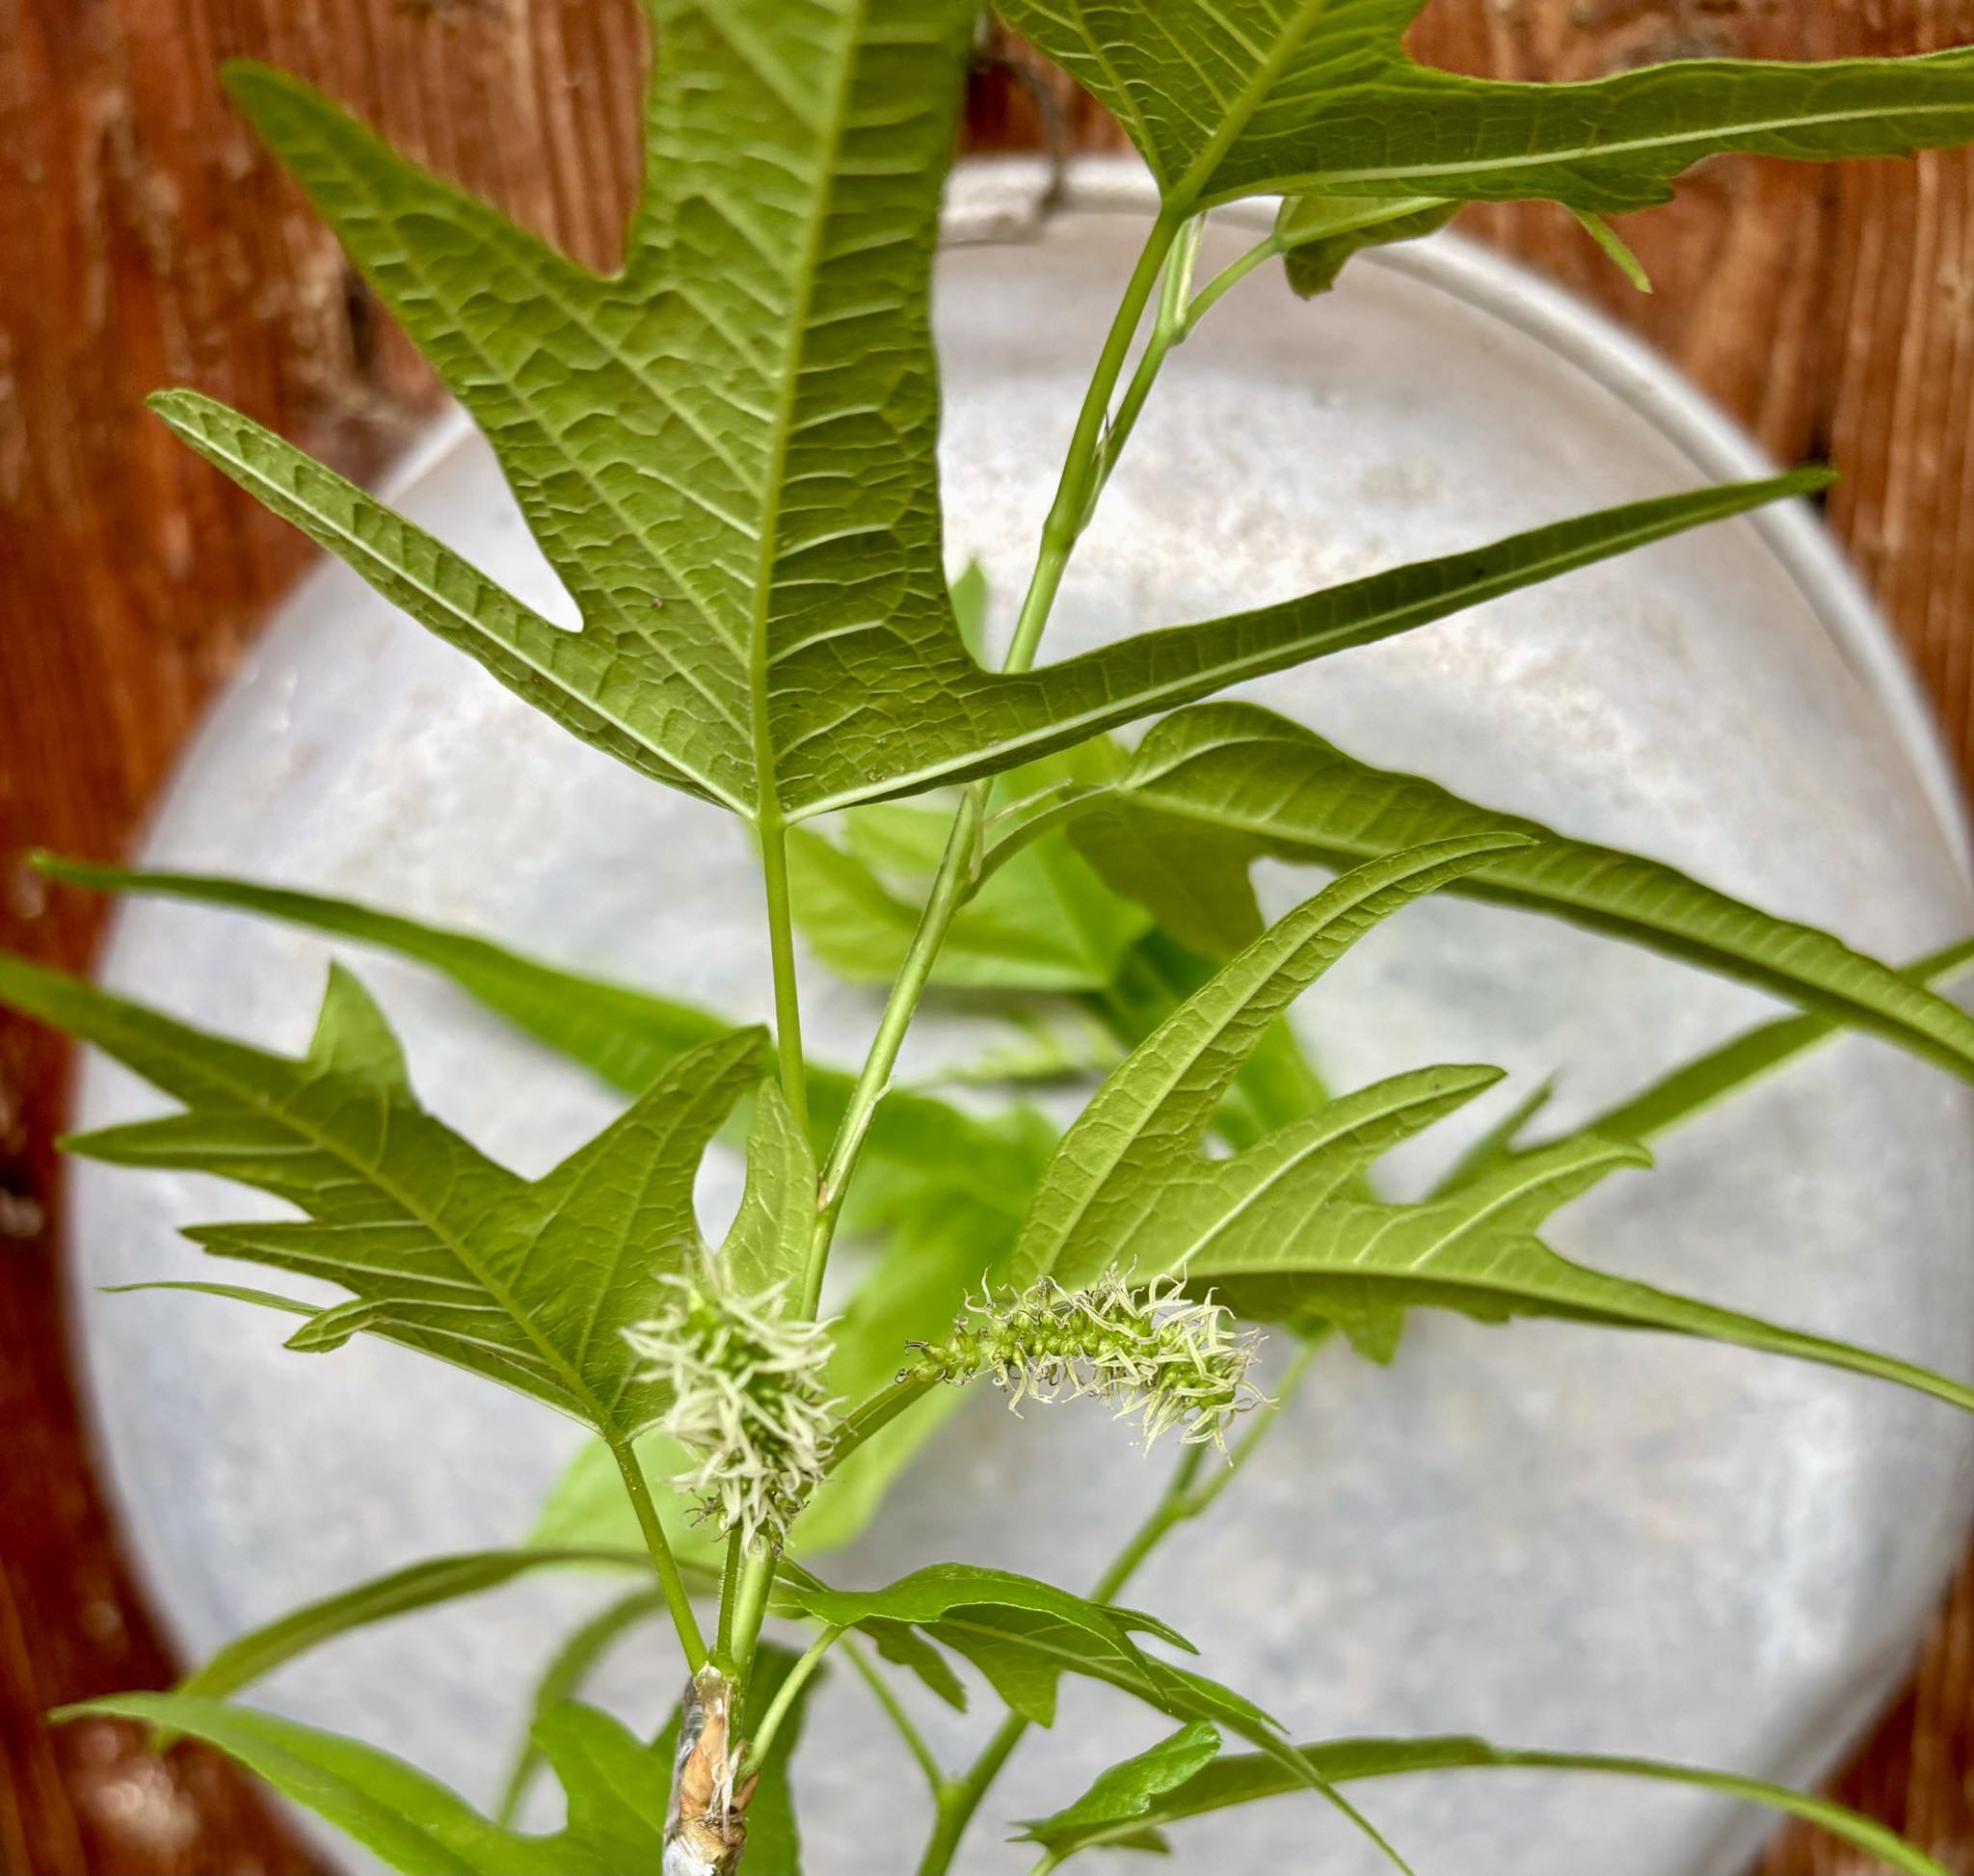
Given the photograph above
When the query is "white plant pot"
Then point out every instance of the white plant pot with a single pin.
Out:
(1552, 1535)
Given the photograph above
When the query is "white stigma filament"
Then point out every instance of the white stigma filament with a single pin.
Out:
(748, 1400)
(1155, 1355)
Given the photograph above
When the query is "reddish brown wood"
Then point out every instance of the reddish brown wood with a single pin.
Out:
(147, 243)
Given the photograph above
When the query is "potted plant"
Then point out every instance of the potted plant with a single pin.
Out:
(726, 450)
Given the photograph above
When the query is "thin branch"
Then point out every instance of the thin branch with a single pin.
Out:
(895, 1710)
(779, 1707)
(677, 1599)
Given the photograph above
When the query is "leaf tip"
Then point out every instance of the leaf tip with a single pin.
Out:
(247, 81)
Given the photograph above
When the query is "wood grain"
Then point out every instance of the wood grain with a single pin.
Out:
(147, 242)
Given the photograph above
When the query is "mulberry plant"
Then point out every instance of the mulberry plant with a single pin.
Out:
(725, 449)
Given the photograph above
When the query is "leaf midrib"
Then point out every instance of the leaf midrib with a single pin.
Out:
(280, 493)
(1218, 675)
(828, 132)
(1580, 152)
(1289, 43)
(1226, 1220)
(390, 1187)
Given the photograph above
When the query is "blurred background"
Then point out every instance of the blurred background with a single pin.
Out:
(147, 241)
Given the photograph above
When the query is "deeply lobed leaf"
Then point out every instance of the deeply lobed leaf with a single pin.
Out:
(1137, 1142)
(1268, 785)
(1235, 98)
(528, 1282)
(1360, 1263)
(727, 449)
(1111, 1813)
(1284, 1226)
(411, 1822)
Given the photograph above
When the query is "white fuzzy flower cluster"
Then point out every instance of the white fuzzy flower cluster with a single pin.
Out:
(747, 1401)
(1155, 1355)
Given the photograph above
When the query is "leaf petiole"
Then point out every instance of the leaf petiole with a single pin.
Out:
(881, 1691)
(781, 928)
(677, 1598)
(785, 1698)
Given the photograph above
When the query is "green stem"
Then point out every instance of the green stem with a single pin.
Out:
(1230, 277)
(1169, 329)
(676, 1601)
(729, 1582)
(1085, 467)
(958, 865)
(950, 888)
(959, 1800)
(1181, 1501)
(781, 933)
(1073, 801)
(879, 1411)
(785, 1698)
(751, 1592)
(749, 1581)
(894, 1712)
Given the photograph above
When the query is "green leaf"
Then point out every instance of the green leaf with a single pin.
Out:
(1697, 1085)
(1321, 234)
(1244, 1778)
(1117, 1802)
(625, 1037)
(905, 1646)
(774, 1844)
(1024, 1635)
(523, 1281)
(410, 1821)
(916, 1144)
(928, 1595)
(248, 1657)
(1497, 1142)
(727, 449)
(1019, 717)
(232, 1291)
(1237, 97)
(1119, 1164)
(1191, 876)
(569, 1669)
(1352, 1261)
(1256, 775)
(768, 1243)
(1694, 1086)
(1023, 1654)
(617, 1787)
(1042, 923)
(1615, 248)
(1277, 1083)
(970, 596)
(794, 692)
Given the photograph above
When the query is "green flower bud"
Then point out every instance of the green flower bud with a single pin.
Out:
(748, 1400)
(1153, 1354)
